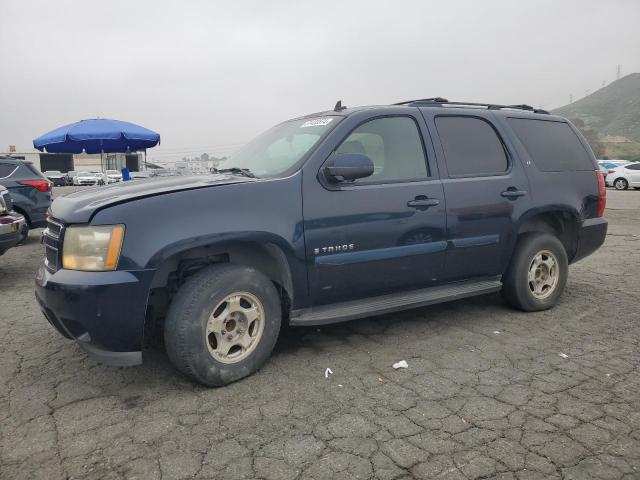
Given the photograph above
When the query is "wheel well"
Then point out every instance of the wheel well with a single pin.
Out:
(24, 214)
(561, 224)
(267, 258)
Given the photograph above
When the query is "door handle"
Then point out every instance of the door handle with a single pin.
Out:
(422, 203)
(511, 193)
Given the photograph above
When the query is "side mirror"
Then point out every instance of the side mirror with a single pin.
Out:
(348, 166)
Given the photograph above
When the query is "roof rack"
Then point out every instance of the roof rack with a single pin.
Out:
(488, 106)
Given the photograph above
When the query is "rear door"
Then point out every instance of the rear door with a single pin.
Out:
(382, 233)
(485, 188)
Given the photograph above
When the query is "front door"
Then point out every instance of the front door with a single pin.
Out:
(382, 233)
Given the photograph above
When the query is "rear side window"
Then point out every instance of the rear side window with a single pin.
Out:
(633, 166)
(553, 146)
(471, 146)
(6, 169)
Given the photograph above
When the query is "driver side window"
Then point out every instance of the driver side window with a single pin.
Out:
(394, 146)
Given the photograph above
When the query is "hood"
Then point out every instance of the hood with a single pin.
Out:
(78, 207)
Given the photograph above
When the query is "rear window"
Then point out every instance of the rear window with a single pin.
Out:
(553, 146)
(471, 146)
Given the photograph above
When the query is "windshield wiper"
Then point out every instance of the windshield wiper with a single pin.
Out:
(245, 172)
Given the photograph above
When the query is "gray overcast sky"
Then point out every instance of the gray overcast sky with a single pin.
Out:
(209, 74)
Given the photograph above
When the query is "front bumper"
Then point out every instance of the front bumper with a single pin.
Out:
(591, 236)
(103, 312)
(11, 226)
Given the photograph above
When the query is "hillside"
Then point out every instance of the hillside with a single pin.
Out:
(614, 113)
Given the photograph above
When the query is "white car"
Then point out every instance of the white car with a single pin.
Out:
(625, 176)
(87, 178)
(607, 167)
(113, 176)
(138, 175)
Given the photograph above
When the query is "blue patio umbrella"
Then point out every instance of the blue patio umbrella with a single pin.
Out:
(97, 135)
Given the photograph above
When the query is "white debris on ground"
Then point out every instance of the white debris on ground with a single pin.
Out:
(563, 355)
(401, 364)
(328, 372)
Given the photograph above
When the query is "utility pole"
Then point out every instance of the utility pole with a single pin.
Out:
(618, 72)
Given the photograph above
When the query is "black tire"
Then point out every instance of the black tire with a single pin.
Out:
(620, 184)
(24, 234)
(185, 326)
(516, 289)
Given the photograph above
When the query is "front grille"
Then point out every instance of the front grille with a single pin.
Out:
(7, 201)
(52, 240)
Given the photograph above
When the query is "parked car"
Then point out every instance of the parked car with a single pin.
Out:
(12, 224)
(625, 176)
(30, 191)
(338, 215)
(607, 166)
(87, 178)
(57, 178)
(69, 177)
(138, 175)
(113, 176)
(101, 178)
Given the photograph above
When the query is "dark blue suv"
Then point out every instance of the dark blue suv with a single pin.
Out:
(333, 216)
(30, 191)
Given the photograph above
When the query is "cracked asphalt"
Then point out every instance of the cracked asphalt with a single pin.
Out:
(486, 395)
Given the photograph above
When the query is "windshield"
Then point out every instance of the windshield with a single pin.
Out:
(279, 149)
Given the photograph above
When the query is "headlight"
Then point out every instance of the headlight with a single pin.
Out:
(92, 248)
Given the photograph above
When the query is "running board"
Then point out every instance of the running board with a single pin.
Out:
(368, 307)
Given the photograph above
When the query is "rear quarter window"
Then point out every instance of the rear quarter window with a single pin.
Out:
(6, 169)
(553, 146)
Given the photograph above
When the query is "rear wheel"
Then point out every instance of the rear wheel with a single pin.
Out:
(621, 184)
(223, 324)
(537, 274)
(24, 233)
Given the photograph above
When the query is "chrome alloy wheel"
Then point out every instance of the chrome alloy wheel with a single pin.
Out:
(621, 184)
(235, 327)
(543, 274)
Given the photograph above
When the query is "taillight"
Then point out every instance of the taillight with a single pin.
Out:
(40, 185)
(602, 194)
(610, 171)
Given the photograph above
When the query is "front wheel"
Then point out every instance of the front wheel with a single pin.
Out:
(223, 324)
(621, 184)
(537, 274)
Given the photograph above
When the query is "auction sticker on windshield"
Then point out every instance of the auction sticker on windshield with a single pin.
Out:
(317, 122)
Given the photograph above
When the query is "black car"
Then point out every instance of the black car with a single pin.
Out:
(29, 189)
(12, 224)
(334, 216)
(56, 177)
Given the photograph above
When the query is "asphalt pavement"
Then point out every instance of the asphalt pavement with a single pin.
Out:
(489, 392)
